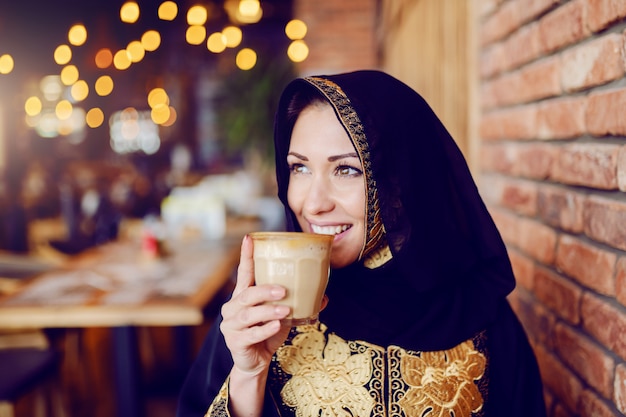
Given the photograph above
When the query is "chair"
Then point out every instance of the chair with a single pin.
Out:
(25, 371)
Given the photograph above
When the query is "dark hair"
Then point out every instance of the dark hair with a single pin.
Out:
(303, 98)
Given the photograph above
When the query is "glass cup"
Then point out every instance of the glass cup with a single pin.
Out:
(298, 261)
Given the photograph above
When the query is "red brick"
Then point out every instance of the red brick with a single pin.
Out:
(523, 268)
(620, 280)
(561, 208)
(500, 91)
(605, 221)
(586, 358)
(605, 322)
(539, 80)
(619, 388)
(520, 196)
(605, 115)
(517, 123)
(563, 26)
(492, 61)
(561, 411)
(487, 7)
(522, 47)
(601, 13)
(507, 225)
(561, 118)
(593, 165)
(538, 321)
(621, 168)
(500, 24)
(496, 157)
(557, 378)
(537, 240)
(590, 266)
(594, 63)
(591, 405)
(558, 294)
(533, 160)
(530, 9)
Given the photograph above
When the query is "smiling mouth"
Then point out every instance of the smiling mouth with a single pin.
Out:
(329, 230)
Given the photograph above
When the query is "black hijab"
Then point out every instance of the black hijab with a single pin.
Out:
(448, 272)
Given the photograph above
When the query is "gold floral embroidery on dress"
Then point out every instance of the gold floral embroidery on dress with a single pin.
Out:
(442, 382)
(375, 240)
(328, 376)
(219, 406)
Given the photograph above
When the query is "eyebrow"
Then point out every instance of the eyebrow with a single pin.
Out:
(330, 158)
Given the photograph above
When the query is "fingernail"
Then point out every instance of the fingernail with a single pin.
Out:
(281, 310)
(277, 292)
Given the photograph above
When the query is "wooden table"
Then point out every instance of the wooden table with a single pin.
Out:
(117, 285)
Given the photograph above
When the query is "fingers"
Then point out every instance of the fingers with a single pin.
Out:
(245, 271)
(254, 305)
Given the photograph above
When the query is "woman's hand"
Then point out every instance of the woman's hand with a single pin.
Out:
(252, 329)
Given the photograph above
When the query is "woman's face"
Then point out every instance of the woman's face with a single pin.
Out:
(326, 184)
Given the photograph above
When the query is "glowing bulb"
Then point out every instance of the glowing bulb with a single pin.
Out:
(135, 51)
(63, 110)
(195, 35)
(216, 43)
(104, 58)
(233, 36)
(168, 10)
(121, 60)
(69, 74)
(33, 106)
(295, 29)
(197, 15)
(151, 40)
(104, 85)
(6, 64)
(62, 54)
(94, 117)
(158, 96)
(80, 90)
(298, 51)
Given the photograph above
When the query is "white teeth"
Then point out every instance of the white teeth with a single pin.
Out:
(329, 230)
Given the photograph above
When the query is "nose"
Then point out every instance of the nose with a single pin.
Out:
(319, 197)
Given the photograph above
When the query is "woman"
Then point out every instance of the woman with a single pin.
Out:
(416, 322)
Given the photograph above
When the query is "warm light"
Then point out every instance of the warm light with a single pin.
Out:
(233, 36)
(94, 117)
(77, 35)
(136, 51)
(246, 59)
(63, 110)
(6, 64)
(69, 74)
(129, 12)
(298, 51)
(104, 58)
(249, 8)
(121, 60)
(160, 114)
(51, 87)
(249, 11)
(80, 90)
(172, 119)
(216, 42)
(62, 55)
(195, 35)
(33, 106)
(104, 85)
(151, 40)
(197, 15)
(168, 10)
(295, 29)
(158, 96)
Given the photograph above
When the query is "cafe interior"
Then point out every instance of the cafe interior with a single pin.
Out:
(135, 152)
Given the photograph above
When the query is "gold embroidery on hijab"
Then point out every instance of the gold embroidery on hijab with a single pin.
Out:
(375, 251)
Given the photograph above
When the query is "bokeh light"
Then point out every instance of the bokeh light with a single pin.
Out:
(63, 109)
(151, 40)
(33, 106)
(233, 36)
(121, 60)
(77, 35)
(6, 64)
(80, 90)
(168, 10)
(104, 85)
(246, 59)
(298, 51)
(216, 42)
(158, 96)
(195, 35)
(94, 117)
(129, 12)
(135, 51)
(296, 29)
(197, 15)
(62, 54)
(104, 58)
(69, 74)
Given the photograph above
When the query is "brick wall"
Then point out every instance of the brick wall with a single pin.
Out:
(341, 35)
(553, 173)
